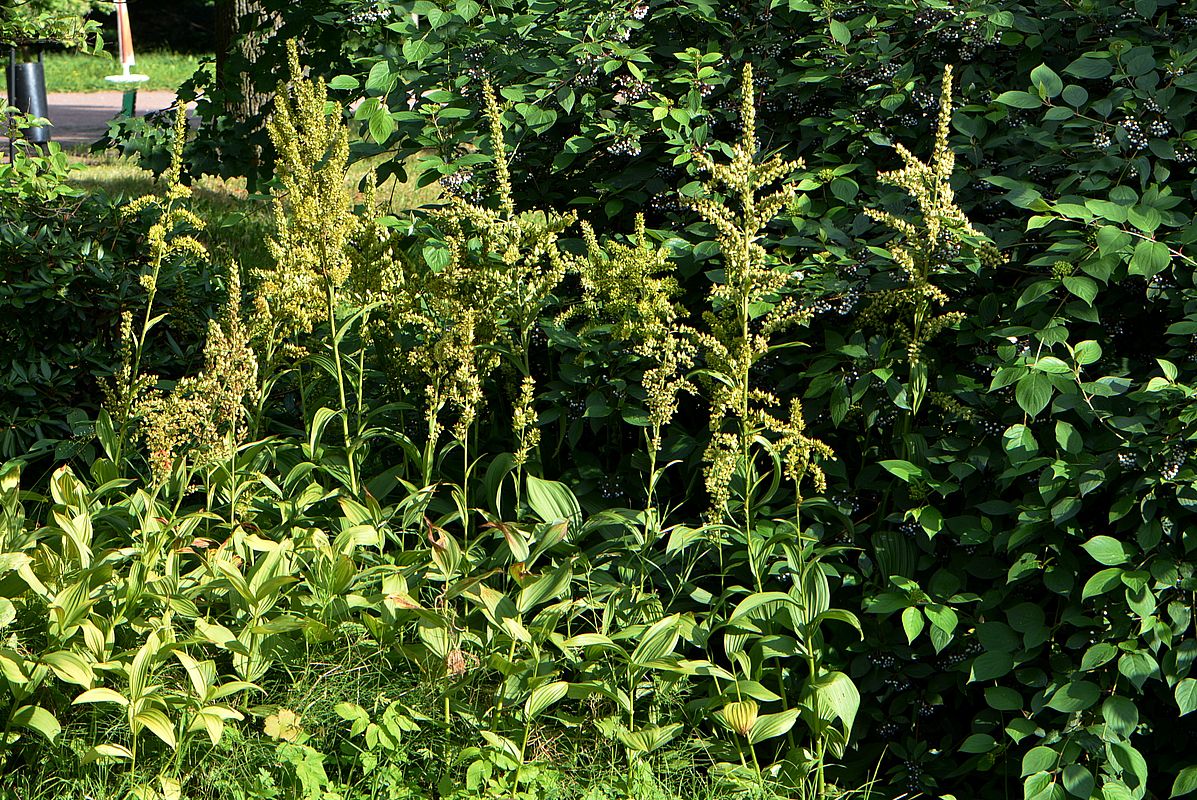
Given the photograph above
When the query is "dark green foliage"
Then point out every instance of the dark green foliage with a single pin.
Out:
(68, 269)
(1051, 420)
(1017, 544)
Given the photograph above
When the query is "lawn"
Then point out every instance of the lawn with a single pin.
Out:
(237, 221)
(77, 72)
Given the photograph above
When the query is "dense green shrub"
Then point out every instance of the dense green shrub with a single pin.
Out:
(508, 433)
(68, 270)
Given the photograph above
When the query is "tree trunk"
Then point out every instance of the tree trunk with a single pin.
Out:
(242, 26)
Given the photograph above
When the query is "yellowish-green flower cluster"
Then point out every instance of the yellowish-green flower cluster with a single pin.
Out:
(951, 405)
(632, 287)
(170, 236)
(461, 318)
(927, 245)
(127, 385)
(313, 209)
(525, 421)
(199, 418)
(749, 308)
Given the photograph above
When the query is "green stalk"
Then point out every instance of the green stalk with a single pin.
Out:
(332, 323)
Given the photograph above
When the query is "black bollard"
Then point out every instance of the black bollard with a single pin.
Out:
(27, 93)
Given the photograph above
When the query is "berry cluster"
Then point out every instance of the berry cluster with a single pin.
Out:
(629, 89)
(849, 300)
(992, 427)
(1127, 460)
(590, 67)
(462, 184)
(888, 730)
(767, 49)
(1175, 461)
(609, 487)
(914, 776)
(364, 18)
(625, 145)
(1135, 136)
(883, 660)
(848, 503)
(665, 203)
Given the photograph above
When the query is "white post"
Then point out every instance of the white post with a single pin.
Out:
(124, 38)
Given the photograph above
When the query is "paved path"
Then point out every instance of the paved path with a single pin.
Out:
(80, 119)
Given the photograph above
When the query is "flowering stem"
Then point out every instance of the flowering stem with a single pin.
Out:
(336, 345)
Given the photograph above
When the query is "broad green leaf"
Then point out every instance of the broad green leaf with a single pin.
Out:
(1039, 759)
(1138, 667)
(104, 752)
(38, 719)
(70, 668)
(1186, 695)
(1121, 716)
(840, 32)
(1185, 783)
(1102, 582)
(1051, 365)
(1150, 258)
(912, 623)
(544, 696)
(657, 641)
(1116, 790)
(101, 695)
(417, 49)
(1046, 81)
(1033, 392)
(762, 603)
(903, 469)
(1085, 67)
(647, 740)
(381, 126)
(343, 83)
(989, 666)
(1074, 95)
(1003, 698)
(157, 723)
(1075, 696)
(978, 743)
(1098, 655)
(1082, 286)
(551, 584)
(768, 726)
(553, 501)
(836, 696)
(1067, 437)
(1107, 550)
(1145, 218)
(1078, 781)
(1018, 99)
(941, 617)
(1087, 352)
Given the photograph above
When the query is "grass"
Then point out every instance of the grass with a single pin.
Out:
(238, 223)
(76, 72)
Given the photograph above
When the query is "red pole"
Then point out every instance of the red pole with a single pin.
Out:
(124, 35)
